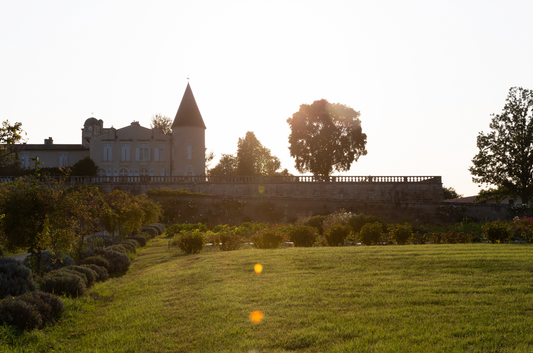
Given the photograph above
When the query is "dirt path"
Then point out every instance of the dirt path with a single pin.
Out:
(20, 257)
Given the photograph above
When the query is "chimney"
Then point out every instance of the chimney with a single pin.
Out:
(48, 141)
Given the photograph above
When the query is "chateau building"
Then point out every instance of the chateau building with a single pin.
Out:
(133, 150)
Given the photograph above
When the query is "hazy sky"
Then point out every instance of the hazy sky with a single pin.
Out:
(425, 75)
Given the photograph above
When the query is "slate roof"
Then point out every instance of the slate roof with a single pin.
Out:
(468, 199)
(188, 113)
(33, 147)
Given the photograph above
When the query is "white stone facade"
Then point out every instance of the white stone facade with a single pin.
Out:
(132, 150)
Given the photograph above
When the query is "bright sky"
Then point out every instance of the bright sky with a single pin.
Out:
(425, 75)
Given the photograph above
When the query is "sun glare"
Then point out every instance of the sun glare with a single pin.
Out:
(256, 316)
(258, 268)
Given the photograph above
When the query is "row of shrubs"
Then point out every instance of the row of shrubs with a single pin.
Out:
(191, 238)
(343, 228)
(27, 295)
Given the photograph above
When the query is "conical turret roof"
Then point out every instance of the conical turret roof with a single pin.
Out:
(188, 113)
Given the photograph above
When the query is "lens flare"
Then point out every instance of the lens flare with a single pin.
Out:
(258, 268)
(256, 316)
(261, 189)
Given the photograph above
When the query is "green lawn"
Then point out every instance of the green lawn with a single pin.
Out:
(415, 298)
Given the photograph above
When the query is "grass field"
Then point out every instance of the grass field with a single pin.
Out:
(415, 298)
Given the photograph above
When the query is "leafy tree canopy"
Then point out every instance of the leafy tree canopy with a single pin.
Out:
(252, 158)
(450, 193)
(505, 157)
(227, 165)
(9, 136)
(498, 194)
(84, 167)
(162, 122)
(325, 137)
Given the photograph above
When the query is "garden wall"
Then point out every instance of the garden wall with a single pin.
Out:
(233, 210)
(361, 189)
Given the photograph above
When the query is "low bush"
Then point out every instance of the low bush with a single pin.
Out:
(420, 237)
(102, 272)
(119, 262)
(141, 240)
(88, 252)
(337, 234)
(316, 222)
(16, 312)
(151, 231)
(267, 239)
(146, 236)
(453, 237)
(76, 273)
(91, 275)
(49, 306)
(228, 241)
(216, 229)
(496, 232)
(371, 233)
(186, 228)
(437, 238)
(191, 243)
(132, 242)
(401, 233)
(49, 261)
(159, 226)
(102, 240)
(356, 223)
(63, 282)
(119, 247)
(15, 278)
(130, 249)
(522, 229)
(302, 235)
(98, 261)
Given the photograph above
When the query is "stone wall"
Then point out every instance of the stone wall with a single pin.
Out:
(234, 210)
(361, 189)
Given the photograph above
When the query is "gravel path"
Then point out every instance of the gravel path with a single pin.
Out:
(20, 257)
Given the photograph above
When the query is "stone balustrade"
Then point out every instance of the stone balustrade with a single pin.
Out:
(241, 179)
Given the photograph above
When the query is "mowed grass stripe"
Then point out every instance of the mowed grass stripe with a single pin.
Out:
(434, 298)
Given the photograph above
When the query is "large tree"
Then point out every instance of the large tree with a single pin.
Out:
(226, 166)
(255, 159)
(252, 158)
(162, 122)
(37, 215)
(325, 137)
(505, 158)
(10, 134)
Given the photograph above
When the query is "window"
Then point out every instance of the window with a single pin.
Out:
(144, 172)
(189, 149)
(162, 173)
(24, 160)
(159, 153)
(101, 172)
(123, 172)
(151, 172)
(63, 160)
(108, 152)
(134, 172)
(143, 152)
(189, 170)
(125, 156)
(112, 172)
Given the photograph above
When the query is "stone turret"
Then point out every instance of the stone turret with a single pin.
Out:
(91, 127)
(188, 138)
